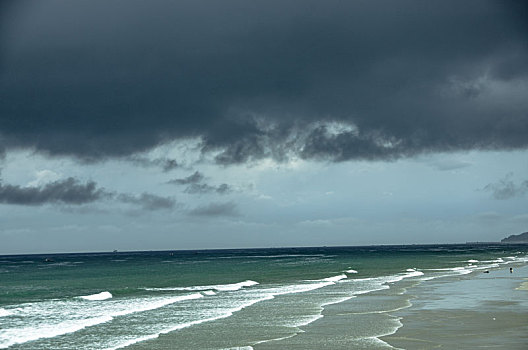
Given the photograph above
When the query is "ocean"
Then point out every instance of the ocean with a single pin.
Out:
(371, 297)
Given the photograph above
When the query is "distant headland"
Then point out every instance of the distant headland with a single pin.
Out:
(520, 238)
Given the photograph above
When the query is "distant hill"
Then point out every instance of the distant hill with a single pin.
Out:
(520, 238)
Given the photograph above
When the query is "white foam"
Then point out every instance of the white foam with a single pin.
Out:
(351, 271)
(64, 317)
(486, 267)
(156, 304)
(407, 305)
(375, 342)
(4, 312)
(337, 301)
(306, 320)
(235, 286)
(455, 271)
(470, 268)
(258, 295)
(335, 278)
(430, 278)
(306, 287)
(124, 344)
(9, 337)
(378, 342)
(414, 274)
(224, 314)
(458, 268)
(98, 296)
(410, 273)
(217, 287)
(498, 260)
(380, 283)
(296, 288)
(372, 284)
(276, 339)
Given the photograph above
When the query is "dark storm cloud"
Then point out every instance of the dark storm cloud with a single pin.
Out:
(216, 209)
(69, 191)
(148, 201)
(96, 79)
(506, 188)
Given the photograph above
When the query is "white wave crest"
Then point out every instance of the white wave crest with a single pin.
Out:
(410, 273)
(458, 268)
(217, 287)
(4, 312)
(378, 283)
(235, 286)
(351, 271)
(98, 296)
(335, 278)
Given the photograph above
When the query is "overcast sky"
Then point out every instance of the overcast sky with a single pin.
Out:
(138, 125)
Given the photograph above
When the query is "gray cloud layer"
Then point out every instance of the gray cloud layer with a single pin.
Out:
(148, 201)
(196, 186)
(320, 79)
(164, 163)
(505, 188)
(195, 178)
(72, 192)
(68, 191)
(216, 209)
(205, 188)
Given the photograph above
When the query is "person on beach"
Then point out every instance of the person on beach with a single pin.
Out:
(511, 269)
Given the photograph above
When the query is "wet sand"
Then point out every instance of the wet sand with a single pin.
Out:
(489, 311)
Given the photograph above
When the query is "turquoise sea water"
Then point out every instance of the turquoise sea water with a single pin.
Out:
(226, 299)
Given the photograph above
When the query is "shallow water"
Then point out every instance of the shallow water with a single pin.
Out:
(480, 310)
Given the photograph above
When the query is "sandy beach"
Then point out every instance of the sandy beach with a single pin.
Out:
(484, 311)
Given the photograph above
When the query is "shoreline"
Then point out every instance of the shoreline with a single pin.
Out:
(455, 312)
(484, 310)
